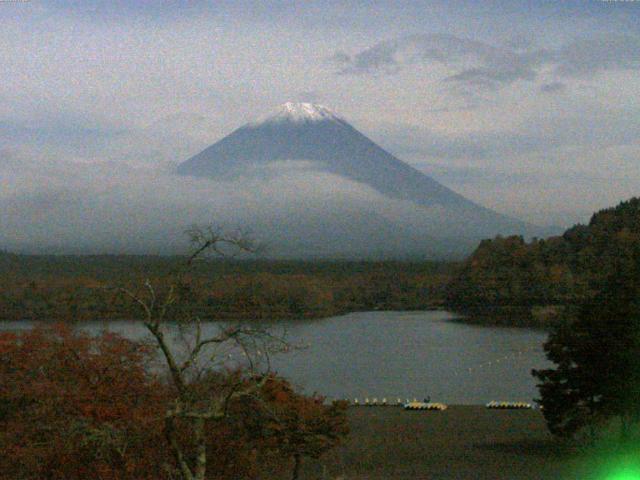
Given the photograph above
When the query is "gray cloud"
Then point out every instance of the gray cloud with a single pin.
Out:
(56, 205)
(147, 85)
(410, 49)
(539, 196)
(589, 55)
(476, 176)
(502, 68)
(552, 168)
(74, 135)
(171, 138)
(479, 64)
(415, 143)
(586, 128)
(553, 87)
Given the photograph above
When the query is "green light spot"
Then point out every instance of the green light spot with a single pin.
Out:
(624, 473)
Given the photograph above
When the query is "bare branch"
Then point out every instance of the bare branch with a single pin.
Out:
(174, 370)
(138, 300)
(170, 434)
(228, 245)
(193, 404)
(169, 300)
(152, 294)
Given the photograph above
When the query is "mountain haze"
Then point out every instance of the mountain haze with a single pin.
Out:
(424, 216)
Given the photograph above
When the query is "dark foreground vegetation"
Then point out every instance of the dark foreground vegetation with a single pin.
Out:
(80, 407)
(75, 407)
(597, 373)
(77, 287)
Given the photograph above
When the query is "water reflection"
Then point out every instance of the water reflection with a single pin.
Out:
(396, 354)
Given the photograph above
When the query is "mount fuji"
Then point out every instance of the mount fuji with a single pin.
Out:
(412, 215)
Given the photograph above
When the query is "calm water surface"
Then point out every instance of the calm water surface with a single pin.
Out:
(399, 354)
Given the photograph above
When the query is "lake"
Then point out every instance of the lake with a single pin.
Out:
(398, 354)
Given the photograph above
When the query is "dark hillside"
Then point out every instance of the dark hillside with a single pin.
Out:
(563, 270)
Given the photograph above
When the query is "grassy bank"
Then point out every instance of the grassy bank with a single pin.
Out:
(463, 442)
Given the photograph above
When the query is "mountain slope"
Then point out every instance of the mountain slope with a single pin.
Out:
(312, 134)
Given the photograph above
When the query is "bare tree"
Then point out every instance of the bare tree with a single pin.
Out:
(202, 350)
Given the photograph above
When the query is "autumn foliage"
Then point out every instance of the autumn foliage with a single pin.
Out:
(302, 426)
(34, 287)
(77, 407)
(74, 406)
(567, 270)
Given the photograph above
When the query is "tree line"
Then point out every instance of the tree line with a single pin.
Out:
(596, 377)
(568, 270)
(62, 288)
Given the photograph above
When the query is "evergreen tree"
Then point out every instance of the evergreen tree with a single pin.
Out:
(597, 374)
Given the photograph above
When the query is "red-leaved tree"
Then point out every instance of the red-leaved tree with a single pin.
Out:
(73, 406)
(76, 407)
(302, 426)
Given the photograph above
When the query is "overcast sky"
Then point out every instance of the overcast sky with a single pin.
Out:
(530, 108)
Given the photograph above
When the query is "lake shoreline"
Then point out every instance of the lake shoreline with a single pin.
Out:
(491, 316)
(539, 317)
(387, 354)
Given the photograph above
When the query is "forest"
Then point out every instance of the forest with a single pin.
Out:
(510, 280)
(74, 405)
(81, 288)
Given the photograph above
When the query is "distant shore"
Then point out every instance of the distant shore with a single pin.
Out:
(83, 288)
(542, 317)
(80, 288)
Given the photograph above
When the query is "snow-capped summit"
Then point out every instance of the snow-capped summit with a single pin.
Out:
(299, 112)
(312, 135)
